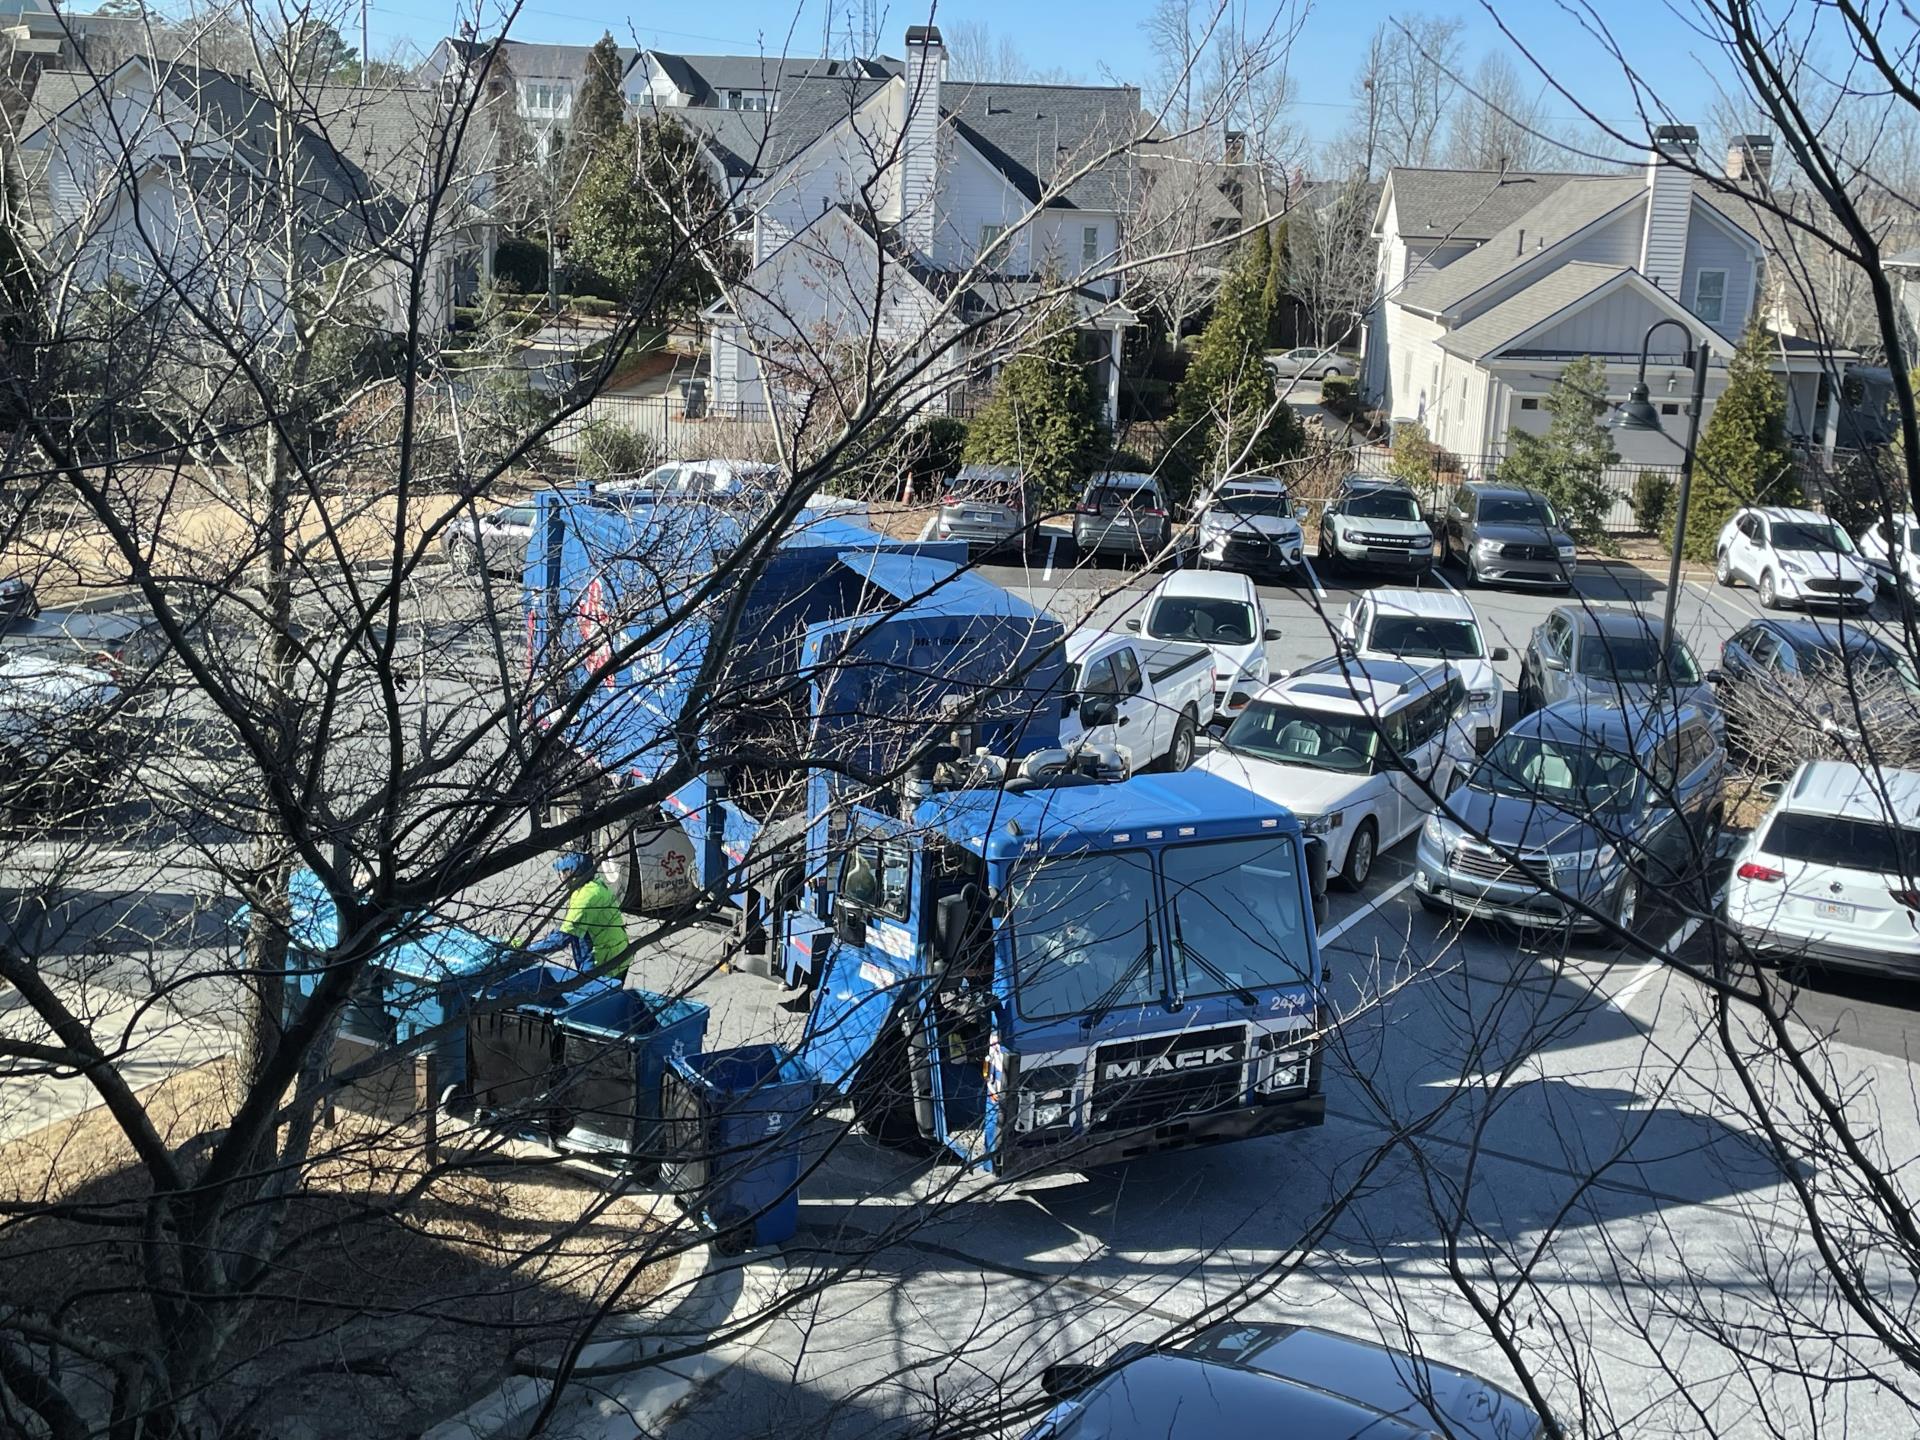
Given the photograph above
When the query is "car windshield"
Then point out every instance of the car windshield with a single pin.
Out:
(986, 489)
(1633, 660)
(1266, 731)
(1237, 917)
(1580, 778)
(1202, 619)
(1850, 842)
(1254, 505)
(1516, 510)
(1383, 505)
(1082, 934)
(1797, 535)
(1426, 639)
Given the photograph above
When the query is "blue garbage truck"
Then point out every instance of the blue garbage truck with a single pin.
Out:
(1011, 952)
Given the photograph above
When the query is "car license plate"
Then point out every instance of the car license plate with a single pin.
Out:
(1833, 910)
(979, 515)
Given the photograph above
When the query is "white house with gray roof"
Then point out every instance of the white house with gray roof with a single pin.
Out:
(926, 202)
(1490, 282)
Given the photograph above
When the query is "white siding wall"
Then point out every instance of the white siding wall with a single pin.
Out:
(830, 173)
(1613, 325)
(1663, 246)
(1414, 355)
(1669, 386)
(1710, 247)
(971, 194)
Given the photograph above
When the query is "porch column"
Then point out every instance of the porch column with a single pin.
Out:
(1836, 397)
(1113, 377)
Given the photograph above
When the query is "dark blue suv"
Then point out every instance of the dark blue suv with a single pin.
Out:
(1580, 802)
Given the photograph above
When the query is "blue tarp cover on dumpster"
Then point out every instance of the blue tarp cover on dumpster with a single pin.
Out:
(438, 950)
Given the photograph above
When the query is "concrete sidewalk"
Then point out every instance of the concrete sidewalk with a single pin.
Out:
(146, 1041)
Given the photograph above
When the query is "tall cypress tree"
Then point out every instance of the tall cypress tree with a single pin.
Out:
(599, 112)
(1744, 457)
(1226, 417)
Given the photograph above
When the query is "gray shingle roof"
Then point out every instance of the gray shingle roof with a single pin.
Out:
(1542, 300)
(750, 142)
(1465, 204)
(1036, 134)
(707, 78)
(1562, 211)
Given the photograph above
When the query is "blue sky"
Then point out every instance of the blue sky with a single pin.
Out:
(1098, 40)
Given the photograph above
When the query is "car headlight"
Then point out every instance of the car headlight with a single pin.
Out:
(1321, 824)
(1580, 862)
(1479, 699)
(1487, 547)
(1792, 566)
(1046, 1097)
(1436, 831)
(1566, 552)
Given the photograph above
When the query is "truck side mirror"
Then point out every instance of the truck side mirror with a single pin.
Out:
(1499, 654)
(1317, 878)
(953, 918)
(1098, 710)
(1272, 633)
(1133, 623)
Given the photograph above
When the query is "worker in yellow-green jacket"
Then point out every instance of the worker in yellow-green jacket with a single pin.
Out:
(592, 933)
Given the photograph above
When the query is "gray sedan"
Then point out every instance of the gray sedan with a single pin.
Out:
(1311, 362)
(1587, 653)
(494, 541)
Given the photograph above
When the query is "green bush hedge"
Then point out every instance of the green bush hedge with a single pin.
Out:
(521, 264)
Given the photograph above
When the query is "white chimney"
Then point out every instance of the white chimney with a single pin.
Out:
(1663, 243)
(1750, 158)
(920, 136)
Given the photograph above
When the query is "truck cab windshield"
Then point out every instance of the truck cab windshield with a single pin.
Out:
(1082, 935)
(1237, 923)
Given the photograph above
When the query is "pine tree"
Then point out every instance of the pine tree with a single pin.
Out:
(1569, 463)
(1044, 416)
(625, 245)
(599, 113)
(1744, 457)
(1274, 294)
(1226, 419)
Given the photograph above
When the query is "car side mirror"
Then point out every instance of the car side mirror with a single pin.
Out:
(1271, 633)
(1716, 677)
(1133, 624)
(1500, 653)
(1068, 704)
(1096, 710)
(1067, 1378)
(1552, 662)
(1300, 513)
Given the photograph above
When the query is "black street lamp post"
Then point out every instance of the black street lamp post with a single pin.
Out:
(1638, 414)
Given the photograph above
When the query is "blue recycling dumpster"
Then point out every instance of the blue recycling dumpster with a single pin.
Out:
(412, 986)
(733, 1141)
(513, 1041)
(614, 1051)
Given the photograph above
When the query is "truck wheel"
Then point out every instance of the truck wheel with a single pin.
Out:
(1361, 851)
(882, 1095)
(1180, 753)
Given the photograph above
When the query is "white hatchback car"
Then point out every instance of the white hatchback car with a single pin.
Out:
(1431, 626)
(1792, 555)
(1357, 749)
(1222, 611)
(1831, 875)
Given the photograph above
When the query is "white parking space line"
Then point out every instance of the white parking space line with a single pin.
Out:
(1743, 612)
(1319, 591)
(1334, 932)
(1053, 543)
(1624, 996)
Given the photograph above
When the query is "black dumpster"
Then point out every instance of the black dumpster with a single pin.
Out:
(733, 1141)
(614, 1050)
(513, 1043)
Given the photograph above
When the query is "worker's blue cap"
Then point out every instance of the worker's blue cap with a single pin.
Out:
(573, 861)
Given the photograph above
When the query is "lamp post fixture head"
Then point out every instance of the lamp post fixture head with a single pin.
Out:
(1638, 413)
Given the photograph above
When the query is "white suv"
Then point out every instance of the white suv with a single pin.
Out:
(1430, 626)
(1897, 554)
(1357, 749)
(1832, 873)
(1792, 555)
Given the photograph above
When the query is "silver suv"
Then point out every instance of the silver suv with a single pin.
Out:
(1121, 513)
(1375, 522)
(986, 506)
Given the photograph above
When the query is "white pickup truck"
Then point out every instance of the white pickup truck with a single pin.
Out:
(1149, 699)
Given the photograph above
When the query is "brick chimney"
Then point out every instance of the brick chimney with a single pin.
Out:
(920, 137)
(1750, 159)
(1663, 241)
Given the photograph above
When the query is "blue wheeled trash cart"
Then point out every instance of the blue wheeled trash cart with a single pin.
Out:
(734, 1120)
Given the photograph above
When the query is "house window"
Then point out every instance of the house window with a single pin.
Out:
(1669, 407)
(1530, 402)
(989, 235)
(745, 100)
(1089, 245)
(1710, 295)
(547, 97)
